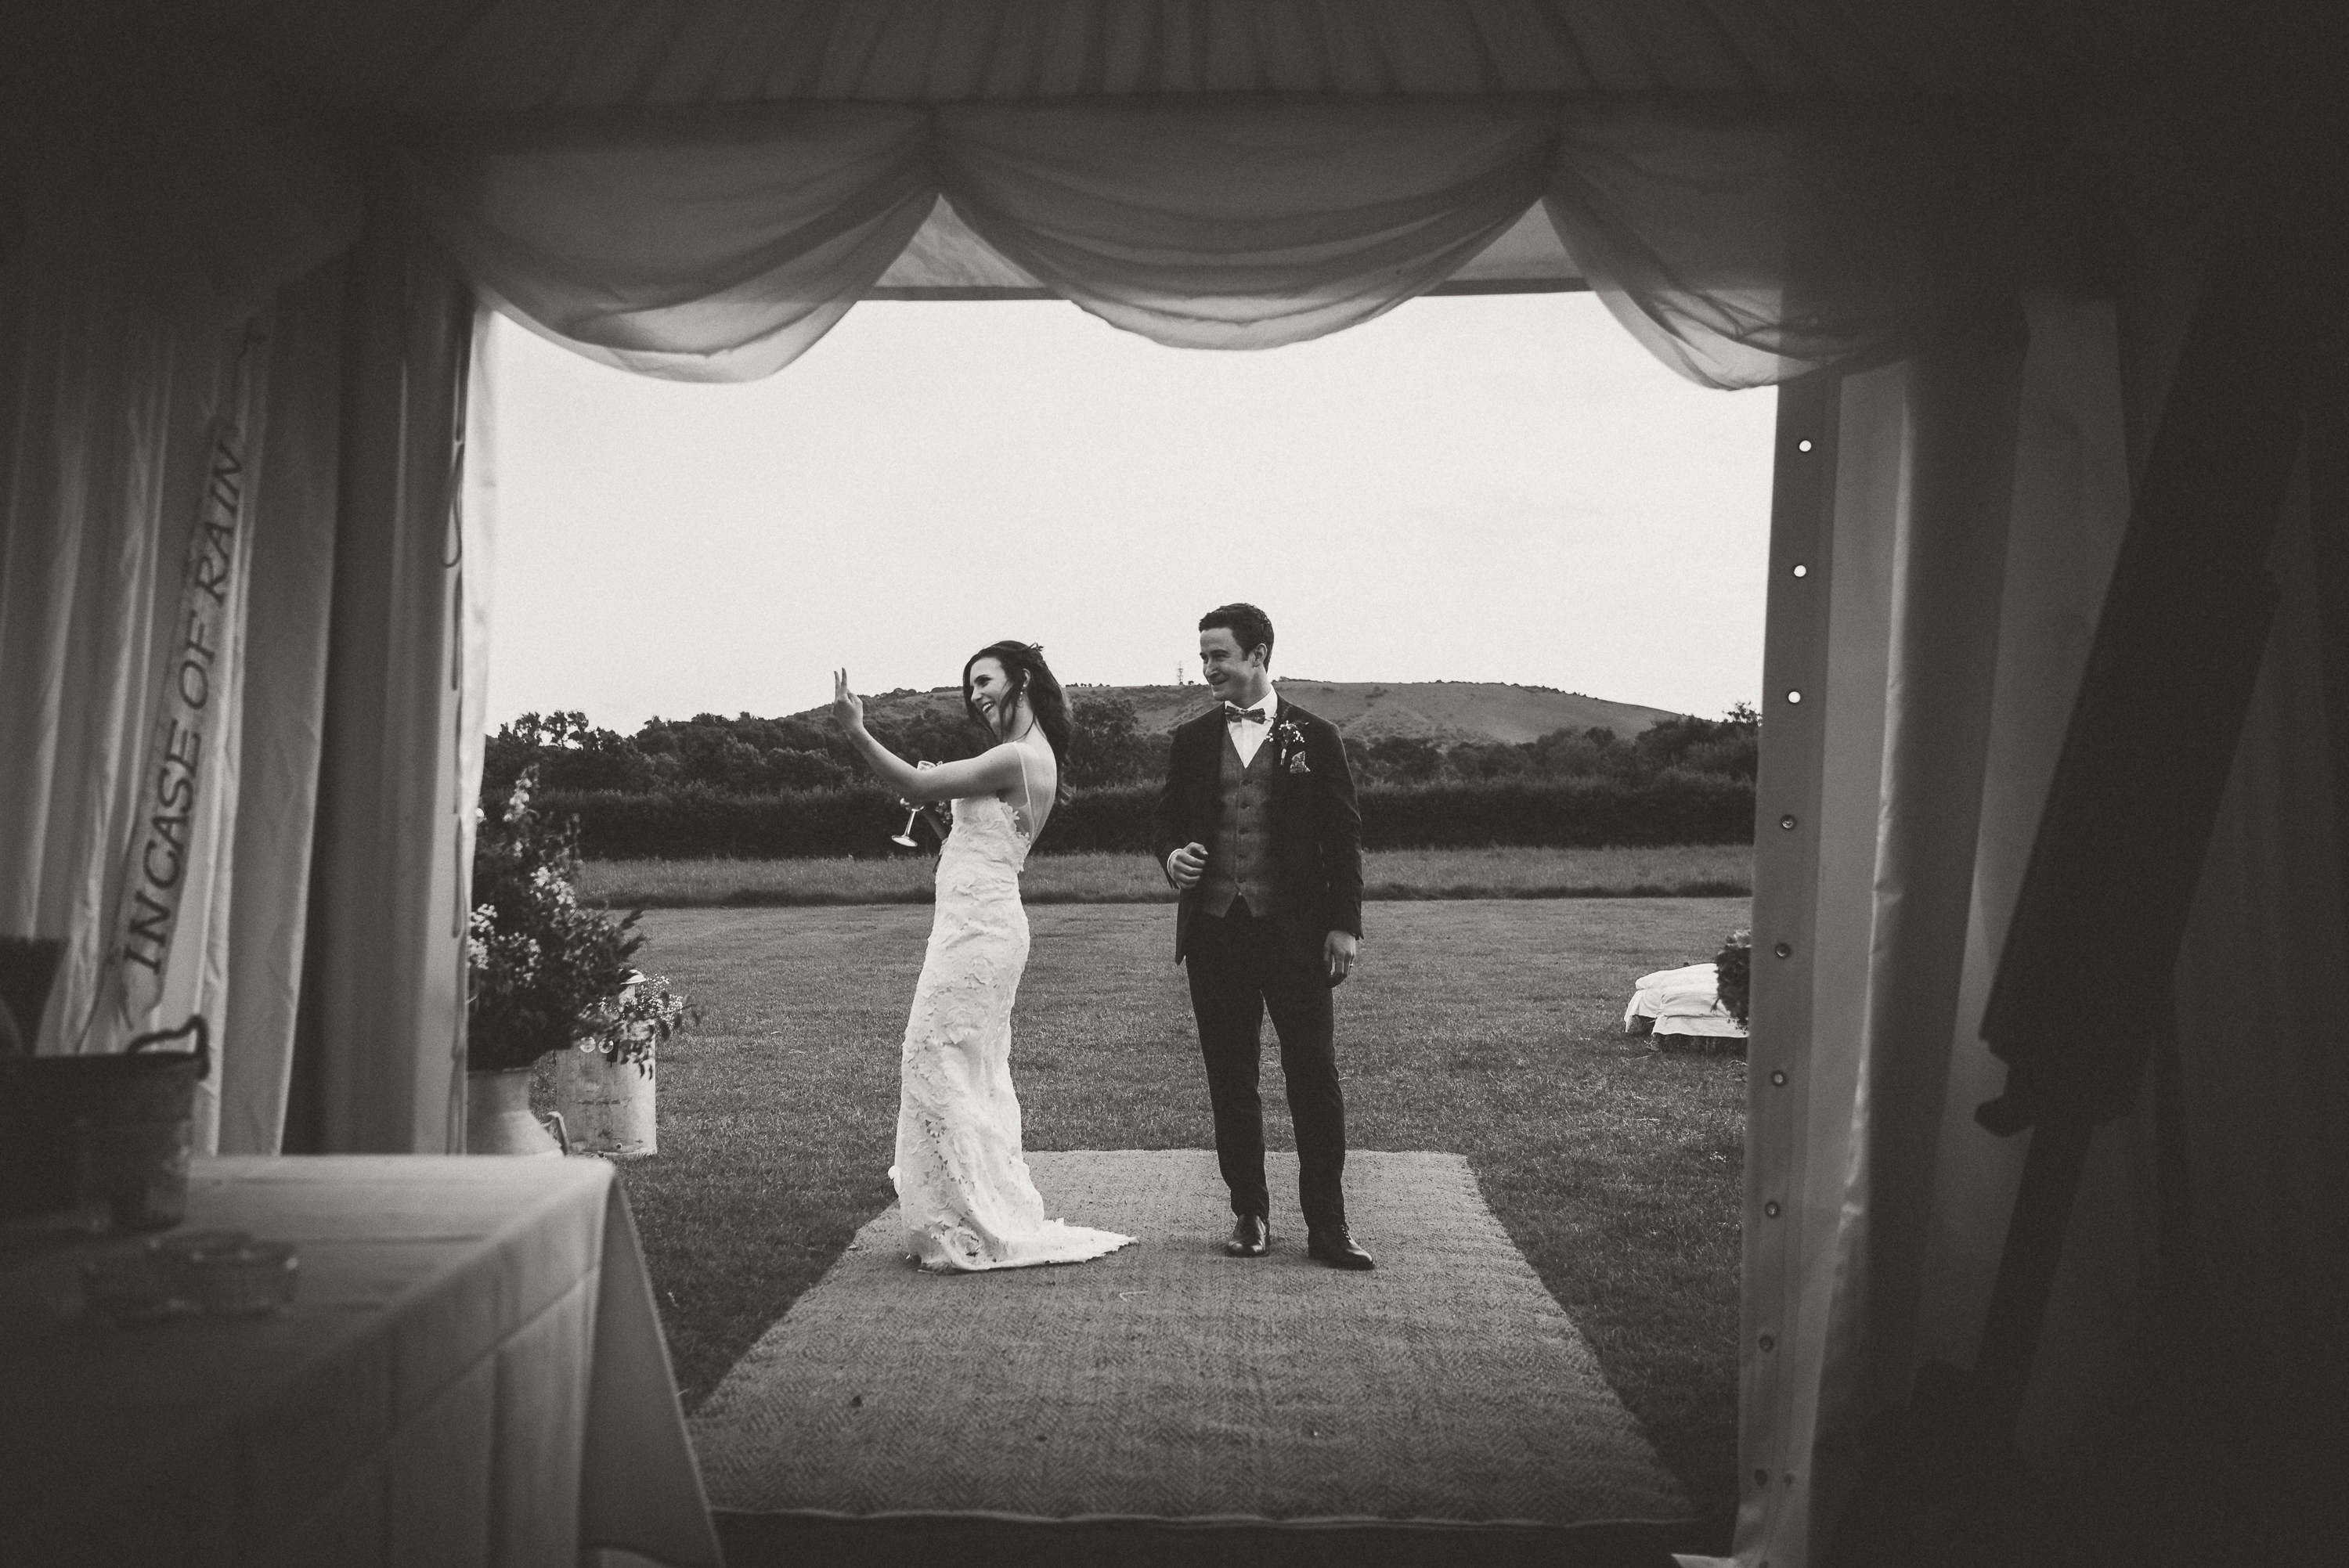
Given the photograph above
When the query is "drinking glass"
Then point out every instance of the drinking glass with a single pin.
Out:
(906, 835)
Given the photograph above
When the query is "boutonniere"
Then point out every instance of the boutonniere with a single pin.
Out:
(1291, 740)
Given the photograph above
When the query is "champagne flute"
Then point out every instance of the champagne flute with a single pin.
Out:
(906, 837)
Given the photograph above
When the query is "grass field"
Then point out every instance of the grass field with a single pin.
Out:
(1670, 871)
(1490, 1029)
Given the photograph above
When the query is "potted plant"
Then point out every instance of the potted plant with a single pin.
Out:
(604, 1089)
(541, 968)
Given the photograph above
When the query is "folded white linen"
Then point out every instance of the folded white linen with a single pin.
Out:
(1684, 1001)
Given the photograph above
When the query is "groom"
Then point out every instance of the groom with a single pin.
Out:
(1257, 826)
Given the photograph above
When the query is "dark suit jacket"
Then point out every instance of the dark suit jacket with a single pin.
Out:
(1316, 828)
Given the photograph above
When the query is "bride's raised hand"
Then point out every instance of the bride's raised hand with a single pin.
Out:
(847, 708)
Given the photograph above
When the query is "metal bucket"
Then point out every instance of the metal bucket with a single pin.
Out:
(112, 1128)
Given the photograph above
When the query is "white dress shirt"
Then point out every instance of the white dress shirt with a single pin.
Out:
(1248, 738)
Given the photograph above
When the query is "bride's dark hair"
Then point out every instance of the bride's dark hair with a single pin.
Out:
(1027, 673)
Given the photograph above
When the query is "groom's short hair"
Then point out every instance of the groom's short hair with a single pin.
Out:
(1250, 626)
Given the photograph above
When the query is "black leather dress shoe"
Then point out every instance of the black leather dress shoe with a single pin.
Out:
(1337, 1249)
(1251, 1237)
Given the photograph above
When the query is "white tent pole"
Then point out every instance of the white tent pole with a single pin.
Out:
(1786, 906)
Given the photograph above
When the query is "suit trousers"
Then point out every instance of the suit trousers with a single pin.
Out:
(1241, 966)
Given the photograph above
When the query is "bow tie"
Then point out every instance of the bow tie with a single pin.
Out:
(1234, 713)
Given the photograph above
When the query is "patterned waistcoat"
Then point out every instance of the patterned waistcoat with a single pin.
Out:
(1241, 865)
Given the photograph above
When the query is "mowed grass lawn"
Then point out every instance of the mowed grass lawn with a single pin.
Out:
(1488, 1027)
(1681, 871)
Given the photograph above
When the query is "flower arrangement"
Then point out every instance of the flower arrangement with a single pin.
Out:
(627, 1029)
(539, 967)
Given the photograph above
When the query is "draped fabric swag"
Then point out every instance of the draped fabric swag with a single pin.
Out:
(699, 192)
(720, 244)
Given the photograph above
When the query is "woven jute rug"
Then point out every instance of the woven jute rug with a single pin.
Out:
(1168, 1381)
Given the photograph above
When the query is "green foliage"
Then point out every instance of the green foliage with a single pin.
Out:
(750, 756)
(1394, 759)
(539, 964)
(695, 821)
(1730, 746)
(1107, 745)
(569, 753)
(1674, 808)
(1477, 759)
(768, 787)
(1733, 969)
(745, 755)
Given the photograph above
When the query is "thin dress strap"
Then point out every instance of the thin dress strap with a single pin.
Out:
(1027, 795)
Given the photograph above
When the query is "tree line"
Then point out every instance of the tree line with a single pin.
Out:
(748, 756)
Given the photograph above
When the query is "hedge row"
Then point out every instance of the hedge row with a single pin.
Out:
(1673, 808)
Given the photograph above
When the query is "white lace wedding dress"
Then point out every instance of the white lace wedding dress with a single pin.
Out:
(967, 1200)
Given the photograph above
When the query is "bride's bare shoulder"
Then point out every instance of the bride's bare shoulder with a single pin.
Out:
(1016, 760)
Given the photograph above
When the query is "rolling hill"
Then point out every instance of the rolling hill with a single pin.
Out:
(1444, 712)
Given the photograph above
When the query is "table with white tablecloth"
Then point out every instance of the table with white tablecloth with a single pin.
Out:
(471, 1372)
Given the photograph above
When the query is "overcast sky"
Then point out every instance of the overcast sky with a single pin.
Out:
(1491, 489)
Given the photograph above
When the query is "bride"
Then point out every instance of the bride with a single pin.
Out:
(967, 1200)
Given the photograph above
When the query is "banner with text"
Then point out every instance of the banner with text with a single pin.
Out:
(177, 835)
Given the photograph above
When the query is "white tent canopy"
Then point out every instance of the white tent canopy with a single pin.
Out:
(1992, 267)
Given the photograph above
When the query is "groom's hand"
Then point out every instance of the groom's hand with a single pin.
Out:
(1337, 951)
(1186, 865)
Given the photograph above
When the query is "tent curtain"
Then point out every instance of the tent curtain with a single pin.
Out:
(1945, 580)
(1743, 243)
(112, 429)
(225, 483)
(1953, 549)
(2258, 1112)
(340, 680)
(287, 622)
(1956, 557)
(1943, 495)
(160, 579)
(379, 1059)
